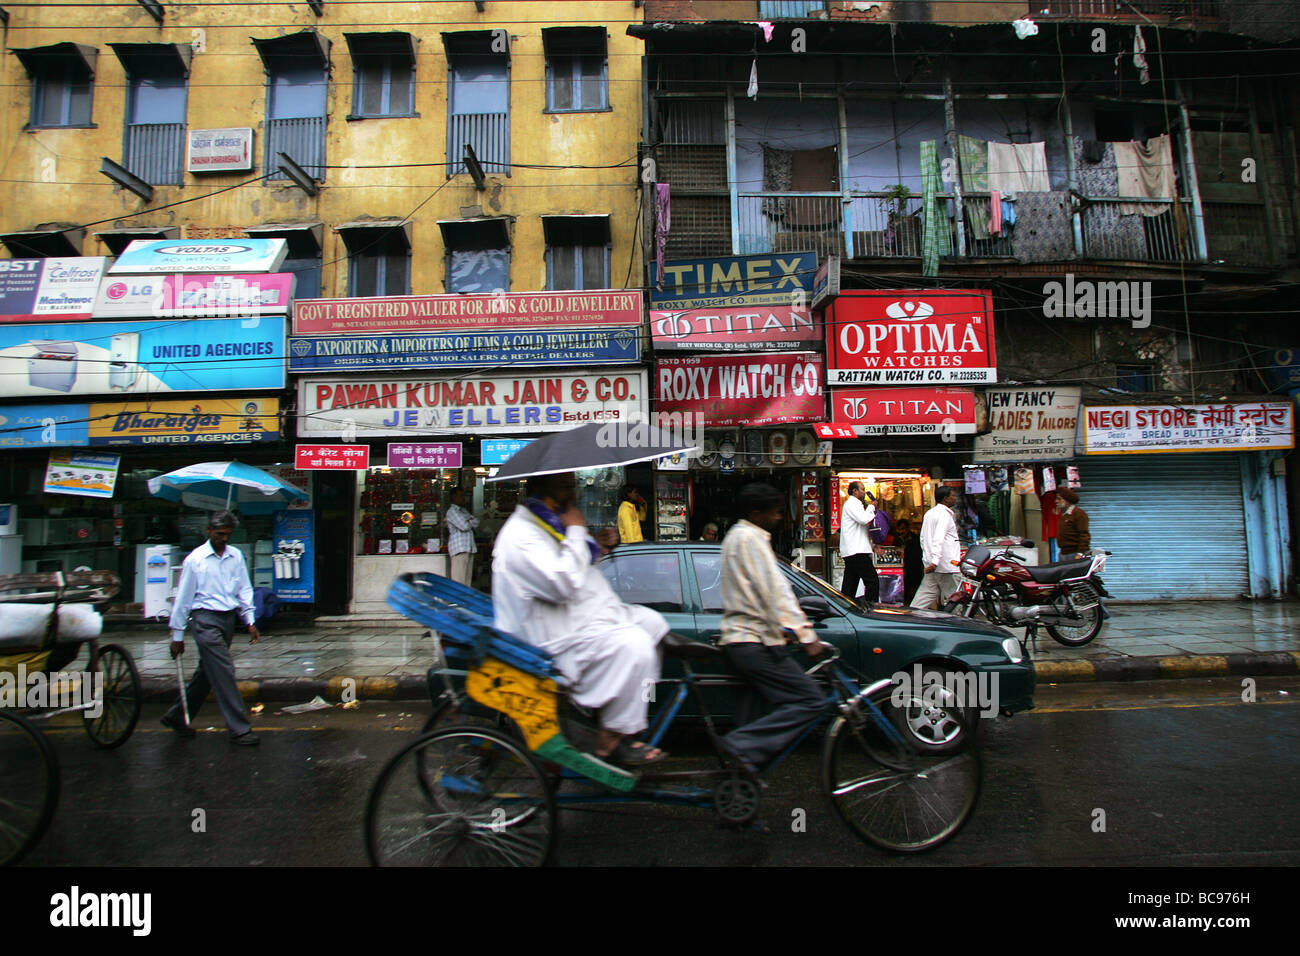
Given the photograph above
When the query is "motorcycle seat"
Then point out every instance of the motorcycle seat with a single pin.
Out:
(1053, 573)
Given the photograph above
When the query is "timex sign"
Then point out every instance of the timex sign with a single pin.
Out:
(905, 411)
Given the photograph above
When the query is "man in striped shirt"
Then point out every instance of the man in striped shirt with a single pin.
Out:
(759, 613)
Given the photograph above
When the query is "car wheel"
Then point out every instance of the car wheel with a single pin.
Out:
(930, 717)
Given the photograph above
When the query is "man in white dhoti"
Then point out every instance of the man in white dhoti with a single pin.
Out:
(547, 590)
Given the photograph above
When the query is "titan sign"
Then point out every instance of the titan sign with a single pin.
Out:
(904, 336)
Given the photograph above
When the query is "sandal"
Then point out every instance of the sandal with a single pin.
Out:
(634, 753)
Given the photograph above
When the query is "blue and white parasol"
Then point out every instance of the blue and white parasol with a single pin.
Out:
(208, 484)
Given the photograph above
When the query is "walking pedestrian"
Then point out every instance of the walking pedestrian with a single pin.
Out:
(856, 518)
(913, 566)
(460, 539)
(214, 591)
(630, 515)
(940, 552)
(1072, 534)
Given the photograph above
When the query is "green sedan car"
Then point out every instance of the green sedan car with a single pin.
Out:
(982, 665)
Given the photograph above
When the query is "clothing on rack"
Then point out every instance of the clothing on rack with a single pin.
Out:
(1145, 171)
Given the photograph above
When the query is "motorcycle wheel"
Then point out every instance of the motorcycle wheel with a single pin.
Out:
(1079, 634)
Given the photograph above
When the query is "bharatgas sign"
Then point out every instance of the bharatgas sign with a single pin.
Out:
(903, 336)
(466, 405)
(743, 389)
(1120, 429)
(430, 313)
(905, 411)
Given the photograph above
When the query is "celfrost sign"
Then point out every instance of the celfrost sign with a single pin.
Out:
(904, 336)
(49, 288)
(743, 389)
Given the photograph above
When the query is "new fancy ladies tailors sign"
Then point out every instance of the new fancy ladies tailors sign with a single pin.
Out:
(906, 336)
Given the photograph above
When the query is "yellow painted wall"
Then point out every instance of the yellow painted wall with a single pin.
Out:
(52, 176)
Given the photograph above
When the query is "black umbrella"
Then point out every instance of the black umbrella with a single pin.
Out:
(596, 445)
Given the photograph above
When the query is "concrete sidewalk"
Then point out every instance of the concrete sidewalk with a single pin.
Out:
(386, 658)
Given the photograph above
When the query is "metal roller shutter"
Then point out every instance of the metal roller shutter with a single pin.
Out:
(1174, 522)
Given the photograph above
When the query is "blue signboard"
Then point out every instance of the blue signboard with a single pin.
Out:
(200, 255)
(141, 358)
(497, 451)
(464, 349)
(57, 426)
(293, 556)
(773, 279)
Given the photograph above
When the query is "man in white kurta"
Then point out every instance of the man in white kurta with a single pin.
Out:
(548, 591)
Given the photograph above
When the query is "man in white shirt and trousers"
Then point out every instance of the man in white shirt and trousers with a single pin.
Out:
(214, 591)
(460, 539)
(548, 591)
(856, 518)
(940, 552)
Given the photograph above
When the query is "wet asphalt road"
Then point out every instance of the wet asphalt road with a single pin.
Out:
(1186, 773)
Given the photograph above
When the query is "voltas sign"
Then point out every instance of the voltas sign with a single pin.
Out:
(905, 411)
(744, 389)
(903, 336)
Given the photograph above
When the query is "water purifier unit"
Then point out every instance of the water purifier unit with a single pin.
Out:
(124, 354)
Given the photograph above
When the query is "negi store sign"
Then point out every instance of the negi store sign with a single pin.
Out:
(1029, 424)
(905, 411)
(743, 389)
(194, 296)
(743, 303)
(910, 335)
(1135, 429)
(429, 313)
(360, 353)
(49, 288)
(200, 255)
(484, 404)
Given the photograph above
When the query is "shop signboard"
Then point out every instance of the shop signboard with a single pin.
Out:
(81, 473)
(778, 328)
(743, 389)
(215, 421)
(146, 358)
(220, 150)
(1144, 429)
(826, 284)
(424, 455)
(465, 349)
(194, 296)
(488, 403)
(497, 451)
(331, 457)
(906, 336)
(53, 289)
(905, 411)
(200, 255)
(43, 426)
(1029, 424)
(433, 313)
(293, 559)
(773, 279)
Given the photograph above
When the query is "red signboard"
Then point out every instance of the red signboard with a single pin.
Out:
(423, 313)
(744, 389)
(905, 336)
(834, 430)
(331, 457)
(735, 329)
(905, 411)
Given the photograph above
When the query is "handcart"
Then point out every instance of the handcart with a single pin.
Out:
(506, 751)
(107, 691)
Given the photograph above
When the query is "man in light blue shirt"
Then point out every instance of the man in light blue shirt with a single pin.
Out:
(213, 592)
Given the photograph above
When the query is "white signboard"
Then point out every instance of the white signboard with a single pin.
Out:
(220, 150)
(1251, 426)
(1029, 424)
(144, 256)
(496, 403)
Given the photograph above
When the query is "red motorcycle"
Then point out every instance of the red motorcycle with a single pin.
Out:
(1065, 597)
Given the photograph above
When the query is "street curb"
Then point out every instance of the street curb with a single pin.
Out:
(1122, 669)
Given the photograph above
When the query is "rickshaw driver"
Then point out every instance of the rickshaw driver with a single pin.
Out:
(547, 590)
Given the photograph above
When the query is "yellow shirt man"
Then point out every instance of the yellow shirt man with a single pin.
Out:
(630, 515)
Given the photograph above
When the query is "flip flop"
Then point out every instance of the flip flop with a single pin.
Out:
(632, 753)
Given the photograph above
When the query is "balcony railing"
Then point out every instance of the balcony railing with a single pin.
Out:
(1236, 234)
(302, 139)
(1087, 9)
(1111, 231)
(488, 133)
(790, 222)
(156, 152)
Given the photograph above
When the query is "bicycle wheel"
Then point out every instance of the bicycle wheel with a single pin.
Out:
(29, 787)
(121, 699)
(890, 792)
(462, 796)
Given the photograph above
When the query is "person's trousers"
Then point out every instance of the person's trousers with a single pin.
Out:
(860, 568)
(212, 632)
(775, 677)
(462, 567)
(935, 590)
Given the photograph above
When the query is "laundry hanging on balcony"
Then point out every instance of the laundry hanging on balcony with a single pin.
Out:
(663, 222)
(1145, 171)
(1044, 230)
(933, 242)
(1018, 167)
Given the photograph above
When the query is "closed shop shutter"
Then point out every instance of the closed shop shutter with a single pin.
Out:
(1174, 522)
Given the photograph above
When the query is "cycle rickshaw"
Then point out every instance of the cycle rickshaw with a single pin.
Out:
(29, 770)
(484, 784)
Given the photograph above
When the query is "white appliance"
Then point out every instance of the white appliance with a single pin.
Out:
(123, 356)
(11, 544)
(157, 572)
(54, 366)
